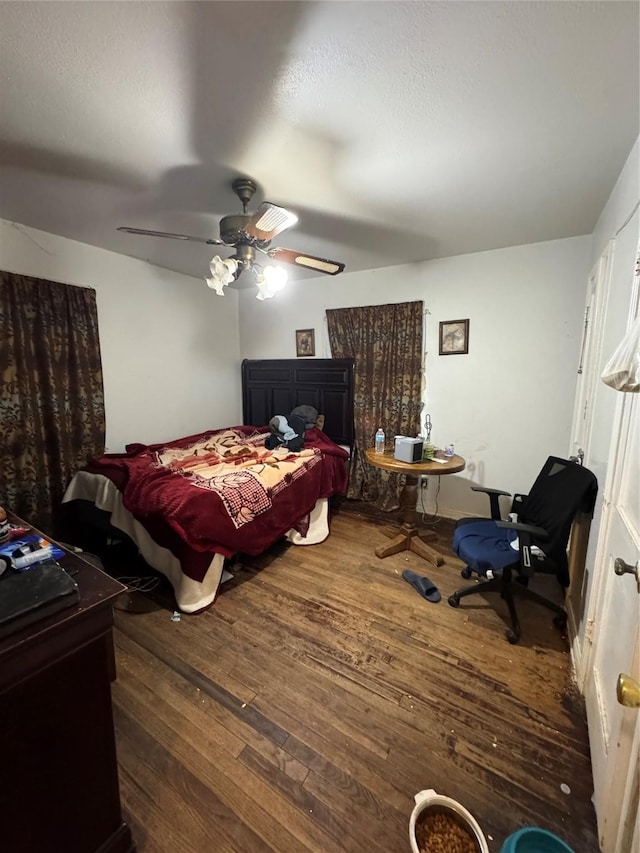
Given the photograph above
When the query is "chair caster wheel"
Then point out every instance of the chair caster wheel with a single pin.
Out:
(560, 621)
(453, 600)
(466, 573)
(512, 637)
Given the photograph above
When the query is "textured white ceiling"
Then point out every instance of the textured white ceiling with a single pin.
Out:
(397, 131)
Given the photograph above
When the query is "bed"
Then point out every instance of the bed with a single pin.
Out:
(191, 503)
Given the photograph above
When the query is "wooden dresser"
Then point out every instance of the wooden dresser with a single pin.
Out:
(59, 781)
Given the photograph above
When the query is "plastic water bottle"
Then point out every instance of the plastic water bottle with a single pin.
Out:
(380, 441)
(32, 557)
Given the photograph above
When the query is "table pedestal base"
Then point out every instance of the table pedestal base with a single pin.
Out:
(408, 538)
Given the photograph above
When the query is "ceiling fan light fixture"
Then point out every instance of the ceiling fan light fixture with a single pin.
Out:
(269, 281)
(223, 268)
(232, 265)
(216, 284)
(223, 272)
(265, 291)
(277, 277)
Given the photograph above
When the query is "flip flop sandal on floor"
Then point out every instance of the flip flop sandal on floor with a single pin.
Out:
(422, 585)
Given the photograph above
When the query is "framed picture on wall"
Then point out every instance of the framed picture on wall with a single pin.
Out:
(454, 337)
(305, 342)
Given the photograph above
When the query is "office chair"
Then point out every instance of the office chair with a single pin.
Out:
(509, 553)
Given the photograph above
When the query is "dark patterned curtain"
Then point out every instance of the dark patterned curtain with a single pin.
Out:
(51, 400)
(386, 343)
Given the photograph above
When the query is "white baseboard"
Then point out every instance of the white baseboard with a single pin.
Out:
(446, 512)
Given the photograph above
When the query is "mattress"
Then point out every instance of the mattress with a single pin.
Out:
(191, 595)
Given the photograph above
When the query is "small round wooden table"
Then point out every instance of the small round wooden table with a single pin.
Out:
(408, 537)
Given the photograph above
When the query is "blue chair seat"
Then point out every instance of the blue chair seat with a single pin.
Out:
(484, 546)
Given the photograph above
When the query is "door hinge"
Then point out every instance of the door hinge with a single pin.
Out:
(588, 631)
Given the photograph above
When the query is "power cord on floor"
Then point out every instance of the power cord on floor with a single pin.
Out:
(138, 584)
(134, 584)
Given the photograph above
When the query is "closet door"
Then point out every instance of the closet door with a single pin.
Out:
(590, 353)
(613, 615)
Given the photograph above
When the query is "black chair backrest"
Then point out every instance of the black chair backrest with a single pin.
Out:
(561, 490)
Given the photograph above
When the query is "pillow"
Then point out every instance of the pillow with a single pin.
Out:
(309, 415)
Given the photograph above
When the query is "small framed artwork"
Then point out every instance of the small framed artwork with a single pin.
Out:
(305, 342)
(454, 337)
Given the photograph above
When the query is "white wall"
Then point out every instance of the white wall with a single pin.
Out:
(621, 202)
(169, 345)
(507, 404)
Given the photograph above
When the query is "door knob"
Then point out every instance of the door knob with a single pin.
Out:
(628, 691)
(622, 568)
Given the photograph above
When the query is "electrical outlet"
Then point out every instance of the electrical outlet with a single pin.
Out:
(424, 482)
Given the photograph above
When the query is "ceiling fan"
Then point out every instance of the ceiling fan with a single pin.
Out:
(249, 234)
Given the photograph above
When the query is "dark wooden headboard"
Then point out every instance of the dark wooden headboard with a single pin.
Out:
(276, 386)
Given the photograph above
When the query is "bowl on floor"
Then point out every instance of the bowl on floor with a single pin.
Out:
(446, 823)
(532, 839)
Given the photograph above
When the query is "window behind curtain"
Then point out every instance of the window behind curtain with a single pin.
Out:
(386, 343)
(51, 393)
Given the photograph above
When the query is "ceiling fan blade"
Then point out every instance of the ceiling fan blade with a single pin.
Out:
(144, 232)
(309, 262)
(269, 220)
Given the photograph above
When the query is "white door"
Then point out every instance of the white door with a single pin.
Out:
(614, 730)
(586, 410)
(590, 353)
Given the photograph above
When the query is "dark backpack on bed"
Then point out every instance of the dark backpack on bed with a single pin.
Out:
(282, 437)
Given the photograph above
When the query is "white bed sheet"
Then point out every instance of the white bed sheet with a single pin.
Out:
(191, 595)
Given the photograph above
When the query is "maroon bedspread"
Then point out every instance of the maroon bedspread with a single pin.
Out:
(221, 491)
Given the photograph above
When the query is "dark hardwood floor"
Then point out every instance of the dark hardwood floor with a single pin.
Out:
(305, 709)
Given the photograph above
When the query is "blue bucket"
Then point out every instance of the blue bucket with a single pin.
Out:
(532, 839)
